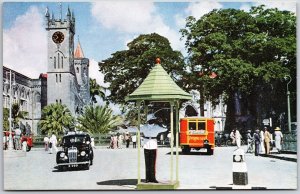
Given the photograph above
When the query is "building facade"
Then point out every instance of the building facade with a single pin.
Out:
(66, 80)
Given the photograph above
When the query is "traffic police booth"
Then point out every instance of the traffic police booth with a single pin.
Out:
(158, 86)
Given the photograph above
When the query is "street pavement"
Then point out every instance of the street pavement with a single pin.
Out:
(117, 170)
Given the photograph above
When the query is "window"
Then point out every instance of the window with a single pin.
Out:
(56, 101)
(58, 60)
(77, 69)
(54, 61)
(56, 78)
(62, 62)
(59, 100)
(59, 77)
(192, 126)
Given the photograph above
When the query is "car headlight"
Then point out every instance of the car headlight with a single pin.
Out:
(206, 141)
(82, 153)
(62, 154)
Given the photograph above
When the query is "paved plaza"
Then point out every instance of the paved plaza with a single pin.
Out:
(117, 170)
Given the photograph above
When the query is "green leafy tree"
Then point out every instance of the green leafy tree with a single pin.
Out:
(98, 119)
(126, 69)
(250, 53)
(17, 114)
(56, 119)
(96, 90)
(5, 119)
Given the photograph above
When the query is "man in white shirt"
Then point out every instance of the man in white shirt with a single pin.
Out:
(150, 132)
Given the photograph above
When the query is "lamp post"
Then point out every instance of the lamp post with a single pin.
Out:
(287, 77)
(10, 141)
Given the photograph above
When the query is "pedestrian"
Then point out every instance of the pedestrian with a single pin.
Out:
(249, 141)
(53, 142)
(238, 138)
(262, 141)
(120, 140)
(93, 143)
(169, 138)
(24, 144)
(150, 132)
(232, 136)
(134, 141)
(46, 143)
(17, 138)
(256, 138)
(267, 138)
(278, 139)
(127, 139)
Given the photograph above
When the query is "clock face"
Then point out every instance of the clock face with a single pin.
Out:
(58, 37)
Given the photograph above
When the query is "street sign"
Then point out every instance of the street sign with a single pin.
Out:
(266, 121)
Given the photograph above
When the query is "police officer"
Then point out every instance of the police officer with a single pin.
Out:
(150, 132)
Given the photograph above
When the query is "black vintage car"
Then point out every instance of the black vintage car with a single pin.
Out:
(76, 151)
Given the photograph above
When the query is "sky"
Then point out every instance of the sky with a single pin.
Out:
(103, 27)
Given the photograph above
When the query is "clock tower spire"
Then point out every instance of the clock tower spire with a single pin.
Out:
(61, 83)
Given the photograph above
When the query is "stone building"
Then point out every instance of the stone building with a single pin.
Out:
(66, 80)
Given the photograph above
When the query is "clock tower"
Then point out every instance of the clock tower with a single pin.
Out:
(62, 86)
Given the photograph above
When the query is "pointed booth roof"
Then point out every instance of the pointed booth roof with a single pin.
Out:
(158, 86)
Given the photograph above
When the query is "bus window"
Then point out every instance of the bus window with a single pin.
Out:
(192, 126)
(201, 127)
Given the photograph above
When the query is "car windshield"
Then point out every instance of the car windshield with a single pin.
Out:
(75, 139)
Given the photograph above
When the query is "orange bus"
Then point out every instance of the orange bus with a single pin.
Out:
(197, 133)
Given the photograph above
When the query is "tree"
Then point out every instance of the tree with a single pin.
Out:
(249, 52)
(17, 114)
(98, 119)
(5, 119)
(56, 119)
(96, 90)
(126, 69)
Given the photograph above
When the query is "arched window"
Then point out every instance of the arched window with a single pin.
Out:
(54, 61)
(77, 69)
(59, 100)
(58, 60)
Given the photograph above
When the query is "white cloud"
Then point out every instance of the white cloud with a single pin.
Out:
(281, 5)
(246, 7)
(96, 74)
(134, 17)
(25, 44)
(125, 16)
(198, 9)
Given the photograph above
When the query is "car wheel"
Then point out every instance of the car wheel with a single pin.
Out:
(91, 162)
(28, 148)
(61, 168)
(87, 166)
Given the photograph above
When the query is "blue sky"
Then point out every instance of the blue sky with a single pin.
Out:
(103, 27)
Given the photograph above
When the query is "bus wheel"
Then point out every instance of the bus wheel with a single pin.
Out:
(186, 150)
(210, 151)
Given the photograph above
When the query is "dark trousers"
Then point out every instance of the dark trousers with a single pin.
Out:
(127, 143)
(150, 161)
(134, 144)
(257, 149)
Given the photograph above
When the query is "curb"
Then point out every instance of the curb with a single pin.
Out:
(279, 157)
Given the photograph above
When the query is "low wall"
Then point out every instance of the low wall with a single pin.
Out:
(290, 142)
(100, 140)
